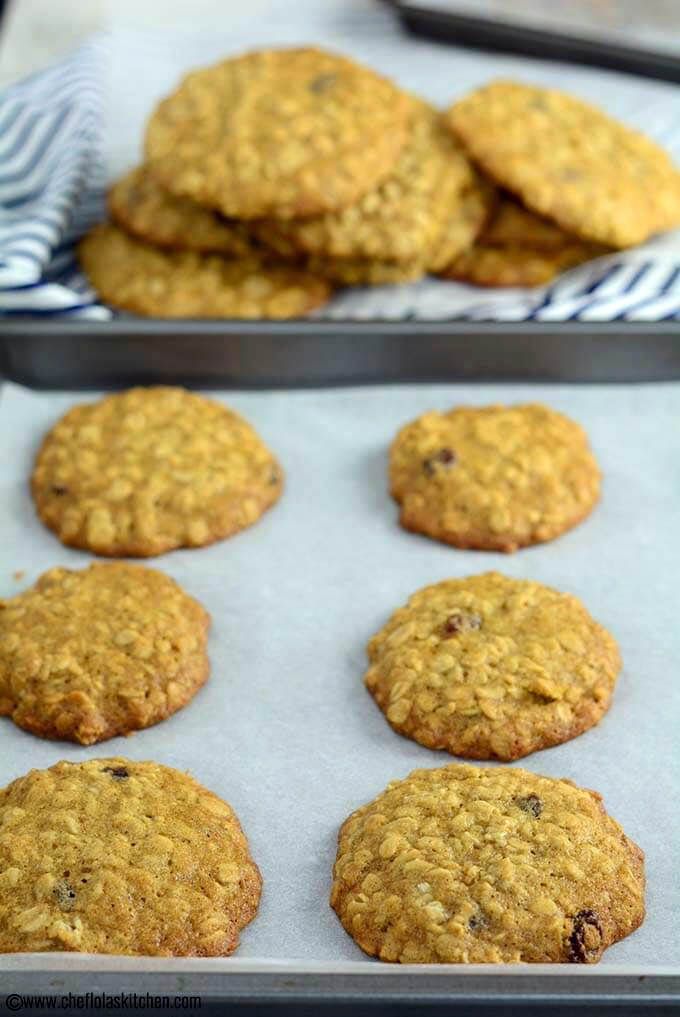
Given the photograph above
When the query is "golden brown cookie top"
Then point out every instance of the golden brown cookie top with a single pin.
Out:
(278, 132)
(493, 477)
(86, 655)
(134, 276)
(141, 207)
(569, 161)
(147, 470)
(397, 220)
(115, 856)
(489, 667)
(470, 865)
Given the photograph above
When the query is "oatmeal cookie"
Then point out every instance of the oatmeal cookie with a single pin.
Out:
(569, 161)
(144, 471)
(489, 667)
(471, 865)
(100, 652)
(121, 857)
(134, 276)
(494, 477)
(278, 132)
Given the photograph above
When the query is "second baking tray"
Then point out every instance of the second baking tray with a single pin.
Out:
(285, 730)
(80, 354)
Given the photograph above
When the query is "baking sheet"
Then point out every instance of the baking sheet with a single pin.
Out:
(284, 729)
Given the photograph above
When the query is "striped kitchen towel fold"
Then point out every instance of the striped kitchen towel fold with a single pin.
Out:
(52, 179)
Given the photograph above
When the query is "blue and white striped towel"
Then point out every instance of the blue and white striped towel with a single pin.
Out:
(52, 178)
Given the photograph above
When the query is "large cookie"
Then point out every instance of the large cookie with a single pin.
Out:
(138, 205)
(283, 133)
(144, 471)
(101, 652)
(114, 856)
(397, 221)
(471, 865)
(570, 162)
(489, 667)
(494, 477)
(133, 276)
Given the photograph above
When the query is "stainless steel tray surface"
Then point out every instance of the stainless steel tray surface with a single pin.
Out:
(285, 730)
(307, 353)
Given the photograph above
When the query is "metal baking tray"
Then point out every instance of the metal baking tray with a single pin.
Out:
(73, 354)
(337, 510)
(465, 28)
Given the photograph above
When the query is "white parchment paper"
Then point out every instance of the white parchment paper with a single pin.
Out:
(284, 729)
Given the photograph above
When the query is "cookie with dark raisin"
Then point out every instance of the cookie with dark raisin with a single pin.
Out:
(121, 857)
(489, 667)
(470, 865)
(493, 477)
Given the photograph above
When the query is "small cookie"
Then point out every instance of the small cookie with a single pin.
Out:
(569, 161)
(398, 220)
(144, 471)
(120, 857)
(494, 477)
(140, 207)
(489, 667)
(467, 865)
(108, 650)
(283, 133)
(134, 276)
(484, 265)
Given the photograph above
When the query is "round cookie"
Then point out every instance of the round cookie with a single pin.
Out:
(134, 276)
(283, 133)
(139, 206)
(120, 857)
(494, 477)
(398, 220)
(471, 865)
(144, 471)
(569, 161)
(489, 667)
(101, 652)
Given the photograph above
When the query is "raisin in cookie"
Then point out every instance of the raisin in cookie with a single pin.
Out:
(279, 132)
(471, 865)
(489, 667)
(495, 477)
(569, 161)
(120, 857)
(144, 471)
(133, 276)
(101, 652)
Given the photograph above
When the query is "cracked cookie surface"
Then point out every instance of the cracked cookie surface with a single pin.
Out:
(121, 857)
(489, 667)
(87, 655)
(495, 477)
(148, 470)
(569, 161)
(141, 207)
(133, 276)
(470, 865)
(283, 133)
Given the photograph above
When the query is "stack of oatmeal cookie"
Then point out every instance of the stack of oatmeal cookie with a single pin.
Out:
(275, 176)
